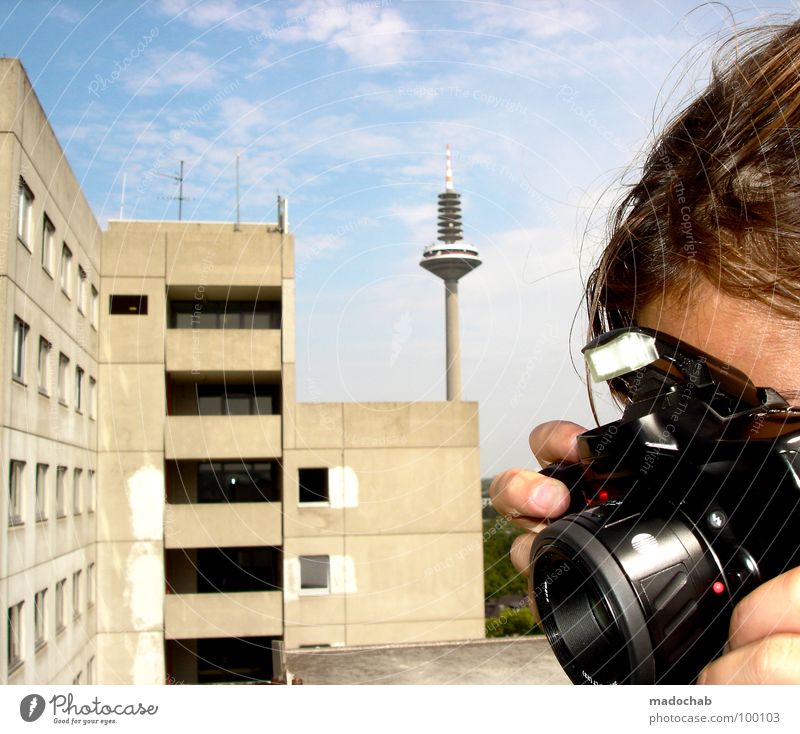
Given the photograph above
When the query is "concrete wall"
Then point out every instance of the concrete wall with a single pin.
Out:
(34, 426)
(131, 463)
(139, 355)
(402, 527)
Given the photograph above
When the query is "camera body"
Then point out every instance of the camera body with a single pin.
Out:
(678, 510)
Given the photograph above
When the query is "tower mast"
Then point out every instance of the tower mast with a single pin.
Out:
(451, 259)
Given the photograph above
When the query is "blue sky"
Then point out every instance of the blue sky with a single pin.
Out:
(345, 108)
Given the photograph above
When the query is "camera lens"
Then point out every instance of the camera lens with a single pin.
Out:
(579, 622)
(617, 609)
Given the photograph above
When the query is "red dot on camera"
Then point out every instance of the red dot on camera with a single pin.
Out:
(718, 587)
(602, 495)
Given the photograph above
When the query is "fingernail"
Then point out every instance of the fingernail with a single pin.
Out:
(545, 496)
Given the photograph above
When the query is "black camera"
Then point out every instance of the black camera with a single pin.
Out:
(678, 510)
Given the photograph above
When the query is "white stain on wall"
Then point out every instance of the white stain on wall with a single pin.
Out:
(148, 663)
(342, 487)
(343, 575)
(144, 586)
(145, 492)
(291, 579)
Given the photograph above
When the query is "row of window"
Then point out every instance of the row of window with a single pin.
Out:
(25, 234)
(43, 610)
(206, 314)
(19, 370)
(82, 498)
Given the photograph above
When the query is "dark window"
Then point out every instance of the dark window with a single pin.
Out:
(238, 569)
(313, 485)
(234, 660)
(201, 314)
(315, 573)
(237, 481)
(237, 400)
(124, 305)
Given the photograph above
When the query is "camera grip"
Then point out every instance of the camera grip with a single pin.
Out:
(573, 476)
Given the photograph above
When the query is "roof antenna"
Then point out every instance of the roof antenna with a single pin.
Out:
(180, 197)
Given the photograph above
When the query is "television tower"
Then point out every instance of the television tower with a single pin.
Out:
(450, 259)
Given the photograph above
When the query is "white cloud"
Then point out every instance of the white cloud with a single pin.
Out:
(163, 71)
(68, 14)
(533, 19)
(367, 32)
(219, 13)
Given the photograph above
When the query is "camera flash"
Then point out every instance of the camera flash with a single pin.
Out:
(627, 353)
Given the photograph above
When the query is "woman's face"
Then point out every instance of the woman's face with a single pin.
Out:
(747, 335)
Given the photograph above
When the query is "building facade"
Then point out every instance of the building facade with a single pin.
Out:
(173, 514)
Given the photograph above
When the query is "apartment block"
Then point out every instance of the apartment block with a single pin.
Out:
(170, 512)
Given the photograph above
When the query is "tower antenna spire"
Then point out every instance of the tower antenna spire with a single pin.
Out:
(448, 174)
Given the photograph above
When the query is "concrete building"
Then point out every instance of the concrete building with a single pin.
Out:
(173, 513)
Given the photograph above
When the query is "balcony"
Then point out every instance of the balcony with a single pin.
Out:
(232, 614)
(214, 525)
(222, 436)
(223, 351)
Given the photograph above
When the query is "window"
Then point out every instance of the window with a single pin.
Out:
(65, 273)
(95, 307)
(91, 493)
(78, 388)
(61, 482)
(77, 476)
(20, 340)
(81, 290)
(25, 214)
(45, 347)
(254, 568)
(39, 627)
(315, 573)
(127, 305)
(313, 485)
(48, 245)
(15, 492)
(237, 399)
(41, 492)
(60, 603)
(237, 481)
(92, 398)
(76, 594)
(90, 585)
(200, 314)
(15, 640)
(63, 366)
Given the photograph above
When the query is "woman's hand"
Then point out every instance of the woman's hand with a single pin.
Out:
(526, 497)
(764, 638)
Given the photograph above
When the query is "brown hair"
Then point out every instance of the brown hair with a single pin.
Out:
(719, 195)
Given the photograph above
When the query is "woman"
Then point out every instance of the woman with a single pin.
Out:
(706, 247)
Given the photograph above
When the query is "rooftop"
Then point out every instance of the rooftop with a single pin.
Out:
(509, 660)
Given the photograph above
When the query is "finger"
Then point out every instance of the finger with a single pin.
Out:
(519, 492)
(772, 660)
(555, 441)
(521, 552)
(770, 609)
(531, 524)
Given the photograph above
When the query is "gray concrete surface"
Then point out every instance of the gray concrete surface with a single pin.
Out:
(512, 660)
